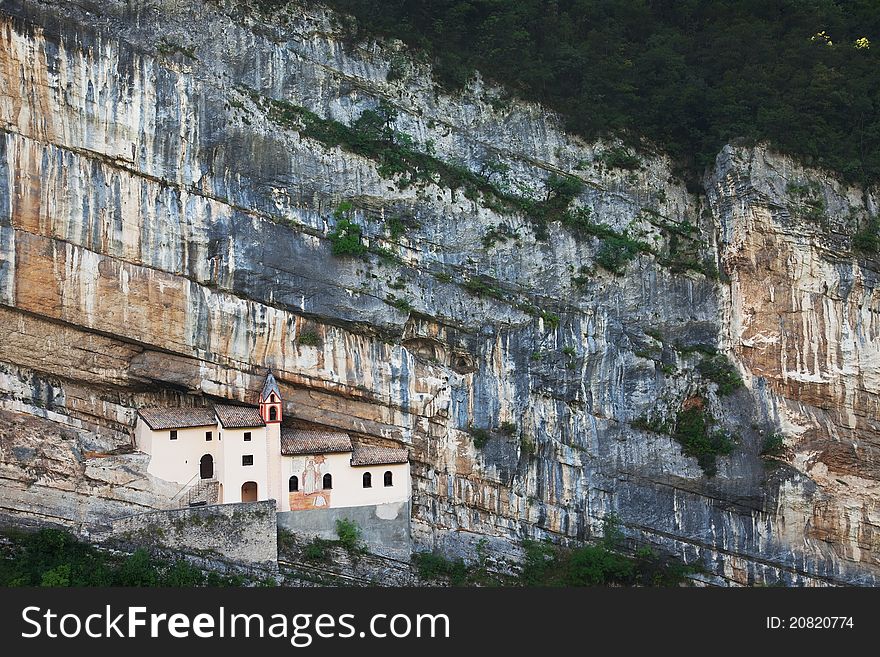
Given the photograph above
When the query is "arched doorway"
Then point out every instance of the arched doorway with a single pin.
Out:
(249, 491)
(206, 467)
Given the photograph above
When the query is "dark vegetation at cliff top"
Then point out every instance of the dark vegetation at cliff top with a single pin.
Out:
(686, 76)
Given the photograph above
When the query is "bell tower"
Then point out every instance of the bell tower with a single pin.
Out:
(270, 401)
(270, 411)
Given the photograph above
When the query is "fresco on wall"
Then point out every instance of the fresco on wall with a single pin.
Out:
(311, 493)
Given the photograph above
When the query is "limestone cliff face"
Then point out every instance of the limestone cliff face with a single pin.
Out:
(164, 239)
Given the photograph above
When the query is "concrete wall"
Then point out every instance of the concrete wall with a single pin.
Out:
(233, 532)
(348, 489)
(385, 527)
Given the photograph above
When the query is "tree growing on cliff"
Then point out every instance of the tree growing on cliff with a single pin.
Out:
(345, 237)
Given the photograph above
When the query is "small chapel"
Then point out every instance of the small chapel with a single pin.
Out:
(230, 453)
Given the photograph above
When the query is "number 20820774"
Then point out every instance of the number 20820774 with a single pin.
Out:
(810, 623)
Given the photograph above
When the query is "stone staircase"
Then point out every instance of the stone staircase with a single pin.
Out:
(200, 493)
(205, 491)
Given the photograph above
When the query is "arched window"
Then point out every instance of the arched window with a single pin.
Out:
(368, 480)
(389, 478)
(328, 481)
(293, 484)
(273, 414)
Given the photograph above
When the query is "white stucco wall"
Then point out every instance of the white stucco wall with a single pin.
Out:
(177, 460)
(273, 458)
(234, 474)
(348, 487)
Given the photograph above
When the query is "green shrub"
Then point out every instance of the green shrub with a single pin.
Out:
(598, 565)
(138, 570)
(527, 445)
(500, 233)
(612, 534)
(481, 287)
(396, 227)
(594, 566)
(578, 219)
(693, 431)
(550, 319)
(616, 252)
(349, 535)
(308, 339)
(402, 304)
(434, 566)
(346, 239)
(318, 549)
(480, 437)
(57, 576)
(721, 371)
(867, 239)
(582, 280)
(774, 445)
(619, 158)
(507, 428)
(286, 540)
(183, 574)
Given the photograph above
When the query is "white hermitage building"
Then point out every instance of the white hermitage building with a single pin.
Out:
(243, 454)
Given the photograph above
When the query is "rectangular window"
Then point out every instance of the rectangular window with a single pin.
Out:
(174, 434)
(209, 435)
(247, 459)
(247, 436)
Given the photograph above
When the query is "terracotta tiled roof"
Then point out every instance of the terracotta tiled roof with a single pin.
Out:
(177, 418)
(314, 441)
(239, 417)
(371, 455)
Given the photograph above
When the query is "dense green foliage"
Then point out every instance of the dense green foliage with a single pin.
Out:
(480, 436)
(695, 433)
(349, 534)
(598, 565)
(721, 371)
(308, 339)
(318, 549)
(52, 557)
(345, 237)
(434, 566)
(546, 564)
(867, 238)
(774, 445)
(688, 75)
